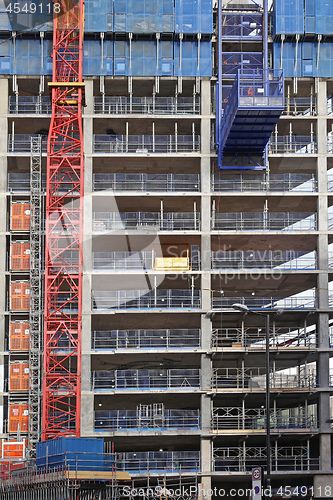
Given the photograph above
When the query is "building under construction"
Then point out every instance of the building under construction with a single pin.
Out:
(165, 188)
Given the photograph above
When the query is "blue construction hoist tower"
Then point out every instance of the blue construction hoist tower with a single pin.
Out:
(249, 108)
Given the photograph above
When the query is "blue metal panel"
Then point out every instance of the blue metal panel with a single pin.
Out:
(143, 58)
(48, 61)
(75, 453)
(324, 24)
(4, 22)
(96, 19)
(6, 61)
(120, 60)
(28, 57)
(233, 61)
(168, 16)
(288, 17)
(308, 62)
(310, 24)
(165, 59)
(119, 19)
(144, 16)
(92, 57)
(192, 58)
(193, 16)
(325, 65)
(288, 58)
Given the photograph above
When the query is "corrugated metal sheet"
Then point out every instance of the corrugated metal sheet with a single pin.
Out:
(76, 453)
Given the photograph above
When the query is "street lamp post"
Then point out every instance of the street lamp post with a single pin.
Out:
(244, 308)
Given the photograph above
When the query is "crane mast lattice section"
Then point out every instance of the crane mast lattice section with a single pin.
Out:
(64, 225)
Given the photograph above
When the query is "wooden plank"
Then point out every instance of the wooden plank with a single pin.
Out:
(97, 475)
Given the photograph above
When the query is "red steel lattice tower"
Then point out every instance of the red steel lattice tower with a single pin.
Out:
(64, 227)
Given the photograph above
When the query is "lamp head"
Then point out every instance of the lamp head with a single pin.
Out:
(240, 307)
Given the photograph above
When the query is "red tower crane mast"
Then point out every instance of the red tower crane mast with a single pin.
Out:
(64, 226)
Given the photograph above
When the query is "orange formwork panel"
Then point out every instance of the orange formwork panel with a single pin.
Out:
(18, 415)
(20, 216)
(20, 256)
(19, 376)
(19, 295)
(19, 336)
(14, 449)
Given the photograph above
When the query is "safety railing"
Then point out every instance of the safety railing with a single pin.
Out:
(145, 339)
(301, 144)
(241, 459)
(123, 105)
(261, 221)
(302, 301)
(159, 461)
(255, 378)
(118, 420)
(280, 337)
(143, 144)
(19, 182)
(276, 260)
(262, 182)
(155, 221)
(120, 380)
(135, 462)
(255, 418)
(21, 143)
(147, 182)
(29, 105)
(115, 261)
(146, 299)
(300, 106)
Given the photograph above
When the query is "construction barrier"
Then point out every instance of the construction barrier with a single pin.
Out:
(19, 376)
(20, 216)
(18, 416)
(20, 256)
(19, 336)
(19, 295)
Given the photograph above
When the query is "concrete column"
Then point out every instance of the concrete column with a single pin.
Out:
(87, 398)
(3, 227)
(322, 281)
(206, 462)
(206, 327)
(205, 194)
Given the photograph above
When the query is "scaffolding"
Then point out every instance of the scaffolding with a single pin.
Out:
(162, 475)
(36, 294)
